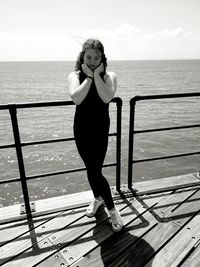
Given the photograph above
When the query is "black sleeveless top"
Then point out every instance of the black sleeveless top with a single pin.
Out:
(92, 105)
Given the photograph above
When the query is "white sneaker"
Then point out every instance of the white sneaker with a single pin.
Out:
(93, 207)
(116, 220)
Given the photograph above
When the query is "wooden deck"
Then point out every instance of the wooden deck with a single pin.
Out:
(162, 228)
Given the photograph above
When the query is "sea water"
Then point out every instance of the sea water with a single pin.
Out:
(24, 82)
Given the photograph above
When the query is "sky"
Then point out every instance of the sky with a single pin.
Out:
(32, 30)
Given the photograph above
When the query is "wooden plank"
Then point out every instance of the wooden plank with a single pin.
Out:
(152, 199)
(79, 233)
(163, 201)
(167, 183)
(10, 213)
(193, 259)
(81, 199)
(112, 247)
(37, 239)
(182, 213)
(145, 248)
(71, 201)
(10, 231)
(163, 232)
(94, 258)
(165, 207)
(102, 232)
(29, 244)
(46, 206)
(166, 231)
(84, 225)
(32, 255)
(34, 260)
(140, 251)
(79, 230)
(56, 260)
(178, 247)
(14, 230)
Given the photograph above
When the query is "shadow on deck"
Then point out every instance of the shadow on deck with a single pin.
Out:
(160, 229)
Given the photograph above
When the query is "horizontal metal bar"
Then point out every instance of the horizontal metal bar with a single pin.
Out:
(165, 96)
(166, 157)
(46, 104)
(36, 105)
(46, 141)
(51, 174)
(112, 134)
(116, 100)
(42, 104)
(10, 181)
(54, 173)
(7, 146)
(166, 129)
(110, 165)
(4, 107)
(53, 141)
(64, 172)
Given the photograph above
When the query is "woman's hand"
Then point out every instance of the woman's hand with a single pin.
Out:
(99, 69)
(87, 70)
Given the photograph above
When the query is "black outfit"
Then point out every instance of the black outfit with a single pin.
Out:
(91, 128)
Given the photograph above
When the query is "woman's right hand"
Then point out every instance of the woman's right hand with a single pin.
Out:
(87, 70)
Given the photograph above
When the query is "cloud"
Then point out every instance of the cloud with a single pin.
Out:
(122, 42)
(35, 47)
(126, 41)
(169, 35)
(130, 33)
(126, 31)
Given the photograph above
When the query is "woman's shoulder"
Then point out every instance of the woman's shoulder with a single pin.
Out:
(110, 74)
(73, 74)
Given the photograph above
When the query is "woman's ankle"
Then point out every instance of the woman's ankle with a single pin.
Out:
(99, 198)
(112, 209)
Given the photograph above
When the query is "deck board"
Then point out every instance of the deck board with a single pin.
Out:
(193, 258)
(185, 210)
(37, 239)
(159, 227)
(112, 248)
(178, 247)
(11, 231)
(103, 232)
(49, 205)
(163, 210)
(167, 183)
(81, 232)
(164, 231)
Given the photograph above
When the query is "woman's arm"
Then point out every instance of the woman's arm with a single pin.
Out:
(78, 91)
(106, 89)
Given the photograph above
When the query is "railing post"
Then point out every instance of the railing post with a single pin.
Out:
(118, 144)
(15, 127)
(131, 141)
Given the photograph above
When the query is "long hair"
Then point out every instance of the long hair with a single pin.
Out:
(91, 44)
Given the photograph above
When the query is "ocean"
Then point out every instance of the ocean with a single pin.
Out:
(23, 82)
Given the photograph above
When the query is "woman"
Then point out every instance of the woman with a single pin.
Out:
(91, 89)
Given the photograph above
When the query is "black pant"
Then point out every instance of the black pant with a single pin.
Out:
(91, 137)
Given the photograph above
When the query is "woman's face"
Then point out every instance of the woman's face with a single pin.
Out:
(92, 58)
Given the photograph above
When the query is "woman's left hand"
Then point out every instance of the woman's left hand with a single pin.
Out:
(99, 69)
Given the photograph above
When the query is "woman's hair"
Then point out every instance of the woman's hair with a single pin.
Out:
(91, 44)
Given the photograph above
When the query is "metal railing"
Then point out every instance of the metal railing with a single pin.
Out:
(18, 146)
(133, 132)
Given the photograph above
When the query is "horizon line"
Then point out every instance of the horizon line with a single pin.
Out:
(70, 60)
